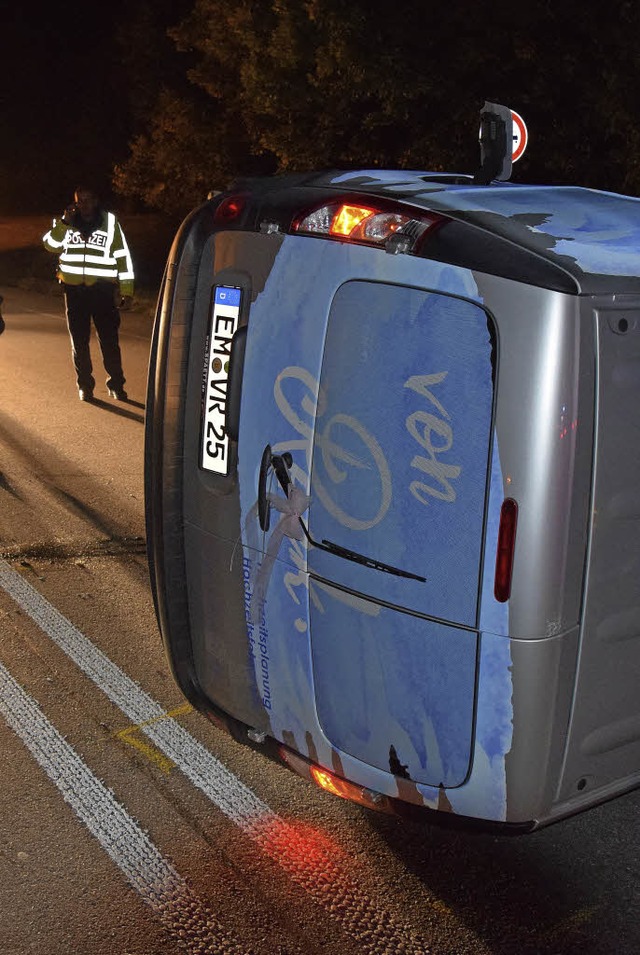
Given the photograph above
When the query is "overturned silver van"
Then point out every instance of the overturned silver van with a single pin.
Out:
(393, 486)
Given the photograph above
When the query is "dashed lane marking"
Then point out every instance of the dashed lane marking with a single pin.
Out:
(309, 859)
(185, 917)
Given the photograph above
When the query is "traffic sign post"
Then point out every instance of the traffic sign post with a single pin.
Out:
(520, 136)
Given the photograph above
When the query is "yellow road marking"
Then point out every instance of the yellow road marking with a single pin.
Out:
(128, 735)
(574, 921)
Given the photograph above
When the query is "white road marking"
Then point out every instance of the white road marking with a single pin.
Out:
(220, 785)
(309, 861)
(183, 915)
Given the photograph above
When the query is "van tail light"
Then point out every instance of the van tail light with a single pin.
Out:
(506, 548)
(368, 224)
(331, 783)
(229, 210)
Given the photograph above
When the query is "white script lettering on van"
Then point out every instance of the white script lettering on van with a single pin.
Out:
(422, 425)
(335, 458)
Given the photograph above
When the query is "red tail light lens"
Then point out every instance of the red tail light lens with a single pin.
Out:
(229, 209)
(506, 548)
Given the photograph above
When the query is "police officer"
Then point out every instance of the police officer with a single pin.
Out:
(96, 272)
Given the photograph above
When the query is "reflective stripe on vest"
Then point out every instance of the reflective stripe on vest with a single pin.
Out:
(91, 256)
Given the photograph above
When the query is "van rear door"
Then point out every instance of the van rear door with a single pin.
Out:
(398, 488)
(379, 390)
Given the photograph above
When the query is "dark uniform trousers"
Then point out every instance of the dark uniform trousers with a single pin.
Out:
(84, 303)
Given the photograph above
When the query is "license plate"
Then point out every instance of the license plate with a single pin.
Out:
(225, 314)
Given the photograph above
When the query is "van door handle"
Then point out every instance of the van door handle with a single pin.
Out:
(280, 463)
(234, 382)
(264, 508)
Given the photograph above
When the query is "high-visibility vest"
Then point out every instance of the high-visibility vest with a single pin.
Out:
(84, 260)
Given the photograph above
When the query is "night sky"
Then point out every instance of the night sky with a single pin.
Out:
(62, 109)
(67, 99)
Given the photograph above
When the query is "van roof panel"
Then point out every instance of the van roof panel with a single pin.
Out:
(586, 231)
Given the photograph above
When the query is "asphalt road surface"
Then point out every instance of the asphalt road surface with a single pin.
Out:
(129, 825)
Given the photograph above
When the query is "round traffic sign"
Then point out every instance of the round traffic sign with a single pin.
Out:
(520, 136)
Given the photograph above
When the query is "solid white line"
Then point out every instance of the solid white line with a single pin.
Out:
(318, 868)
(220, 785)
(183, 915)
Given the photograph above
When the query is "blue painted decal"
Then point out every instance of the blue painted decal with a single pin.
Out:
(396, 691)
(402, 446)
(348, 363)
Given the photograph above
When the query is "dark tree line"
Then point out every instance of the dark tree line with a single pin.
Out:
(220, 89)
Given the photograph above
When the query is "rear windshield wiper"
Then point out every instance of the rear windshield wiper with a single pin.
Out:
(360, 558)
(281, 464)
